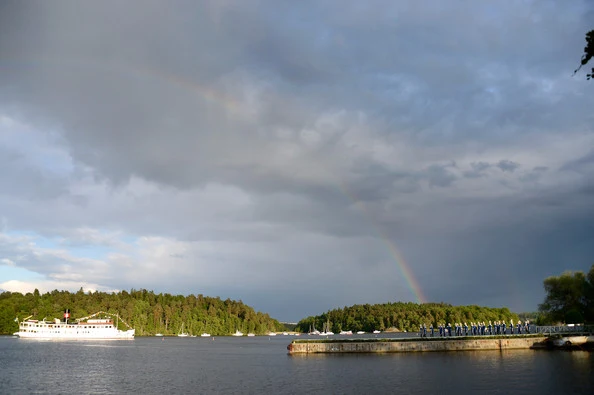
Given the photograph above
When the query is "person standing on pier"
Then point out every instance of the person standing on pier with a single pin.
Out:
(503, 328)
(511, 326)
(431, 329)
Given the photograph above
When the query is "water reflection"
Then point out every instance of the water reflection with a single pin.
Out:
(230, 365)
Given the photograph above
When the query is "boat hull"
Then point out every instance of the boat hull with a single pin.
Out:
(120, 335)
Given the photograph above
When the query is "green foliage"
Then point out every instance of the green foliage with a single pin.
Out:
(569, 298)
(402, 316)
(588, 53)
(147, 312)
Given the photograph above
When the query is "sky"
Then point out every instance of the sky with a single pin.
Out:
(299, 156)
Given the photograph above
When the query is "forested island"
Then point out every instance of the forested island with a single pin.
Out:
(147, 312)
(569, 299)
(401, 316)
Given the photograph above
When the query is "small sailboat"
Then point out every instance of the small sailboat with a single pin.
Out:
(237, 333)
(326, 330)
(251, 334)
(181, 332)
(205, 334)
(313, 330)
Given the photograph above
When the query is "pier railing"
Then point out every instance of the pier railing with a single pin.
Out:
(563, 329)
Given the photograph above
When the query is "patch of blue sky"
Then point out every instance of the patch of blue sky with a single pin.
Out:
(8, 273)
(89, 251)
(40, 241)
(129, 239)
(80, 249)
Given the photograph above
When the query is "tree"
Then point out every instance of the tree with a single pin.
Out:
(147, 312)
(569, 298)
(588, 53)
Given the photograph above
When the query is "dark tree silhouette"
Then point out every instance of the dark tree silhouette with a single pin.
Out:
(588, 53)
(569, 298)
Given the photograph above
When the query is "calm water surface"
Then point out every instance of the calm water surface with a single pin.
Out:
(257, 365)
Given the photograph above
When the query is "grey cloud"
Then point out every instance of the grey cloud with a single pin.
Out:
(301, 137)
(507, 165)
(585, 164)
(478, 170)
(21, 179)
(439, 176)
(534, 175)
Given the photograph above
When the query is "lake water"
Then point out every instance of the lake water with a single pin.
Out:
(261, 365)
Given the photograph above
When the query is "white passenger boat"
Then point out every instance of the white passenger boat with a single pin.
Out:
(237, 333)
(205, 334)
(82, 328)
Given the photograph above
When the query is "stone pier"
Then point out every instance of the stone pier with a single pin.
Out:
(415, 345)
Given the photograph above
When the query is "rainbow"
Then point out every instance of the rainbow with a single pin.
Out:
(395, 253)
(133, 72)
(232, 105)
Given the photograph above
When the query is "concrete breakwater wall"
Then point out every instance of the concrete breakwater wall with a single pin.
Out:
(417, 345)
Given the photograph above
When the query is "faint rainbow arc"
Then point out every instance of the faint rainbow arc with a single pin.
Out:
(395, 253)
(231, 104)
(134, 71)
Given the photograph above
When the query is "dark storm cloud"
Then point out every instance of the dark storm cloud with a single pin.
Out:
(584, 164)
(249, 139)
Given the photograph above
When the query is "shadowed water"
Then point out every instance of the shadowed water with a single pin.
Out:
(232, 365)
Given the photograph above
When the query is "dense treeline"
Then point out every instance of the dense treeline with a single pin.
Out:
(569, 298)
(402, 316)
(147, 312)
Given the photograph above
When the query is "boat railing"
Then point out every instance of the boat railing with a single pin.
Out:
(104, 313)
